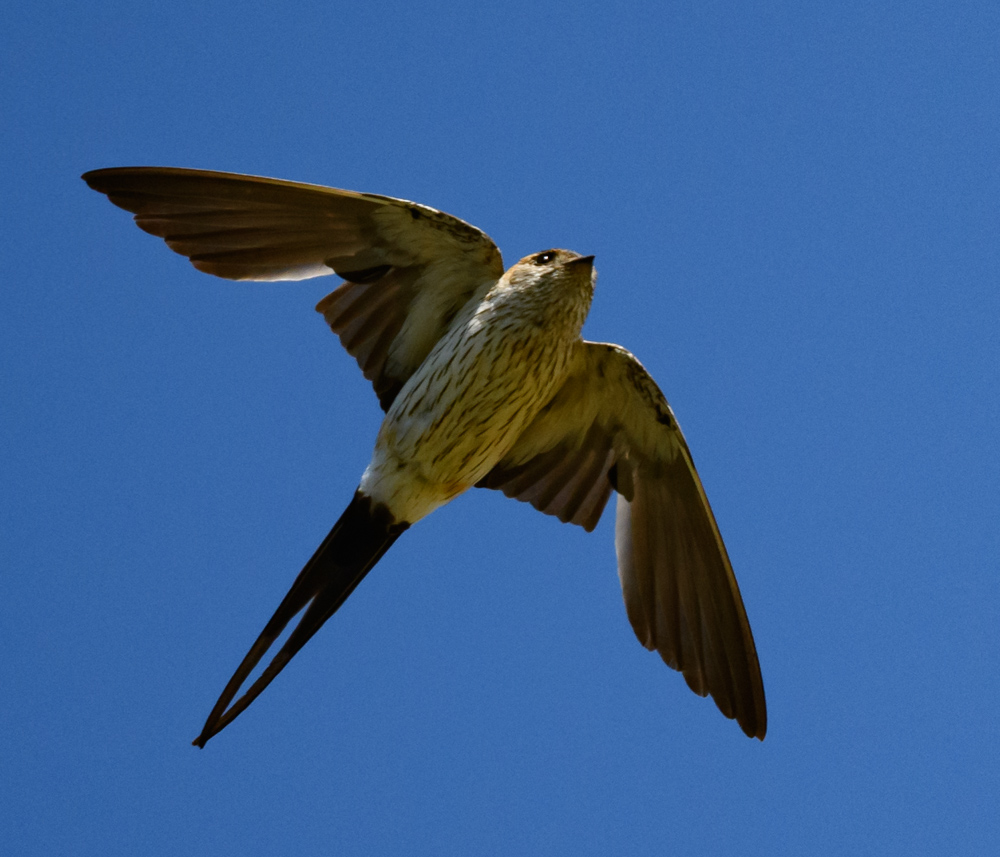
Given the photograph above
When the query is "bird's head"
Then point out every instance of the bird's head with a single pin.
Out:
(558, 278)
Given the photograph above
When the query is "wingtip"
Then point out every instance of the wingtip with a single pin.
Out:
(754, 729)
(95, 179)
(92, 175)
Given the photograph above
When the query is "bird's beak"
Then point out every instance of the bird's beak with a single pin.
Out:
(581, 260)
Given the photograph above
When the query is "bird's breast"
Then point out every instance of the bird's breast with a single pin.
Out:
(464, 408)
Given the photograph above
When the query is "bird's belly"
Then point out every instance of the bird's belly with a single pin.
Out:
(457, 417)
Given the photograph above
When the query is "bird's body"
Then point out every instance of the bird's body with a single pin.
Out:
(485, 381)
(497, 365)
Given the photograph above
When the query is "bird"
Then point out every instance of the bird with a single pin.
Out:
(485, 381)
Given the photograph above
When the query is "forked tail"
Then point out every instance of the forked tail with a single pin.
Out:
(357, 541)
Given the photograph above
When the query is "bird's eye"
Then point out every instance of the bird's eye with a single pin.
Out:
(545, 258)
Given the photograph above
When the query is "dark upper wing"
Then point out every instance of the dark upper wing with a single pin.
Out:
(610, 427)
(409, 268)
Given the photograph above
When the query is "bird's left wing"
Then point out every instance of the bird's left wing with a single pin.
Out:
(409, 268)
(610, 428)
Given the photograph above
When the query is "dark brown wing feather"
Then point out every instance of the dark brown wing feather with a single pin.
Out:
(418, 265)
(610, 427)
(568, 482)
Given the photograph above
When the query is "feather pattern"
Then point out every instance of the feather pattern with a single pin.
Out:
(609, 426)
(428, 263)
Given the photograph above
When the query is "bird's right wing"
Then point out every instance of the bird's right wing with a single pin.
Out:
(409, 268)
(610, 428)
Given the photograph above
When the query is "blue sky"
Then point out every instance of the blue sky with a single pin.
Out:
(794, 211)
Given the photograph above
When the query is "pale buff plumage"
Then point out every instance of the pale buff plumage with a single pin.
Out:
(485, 381)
